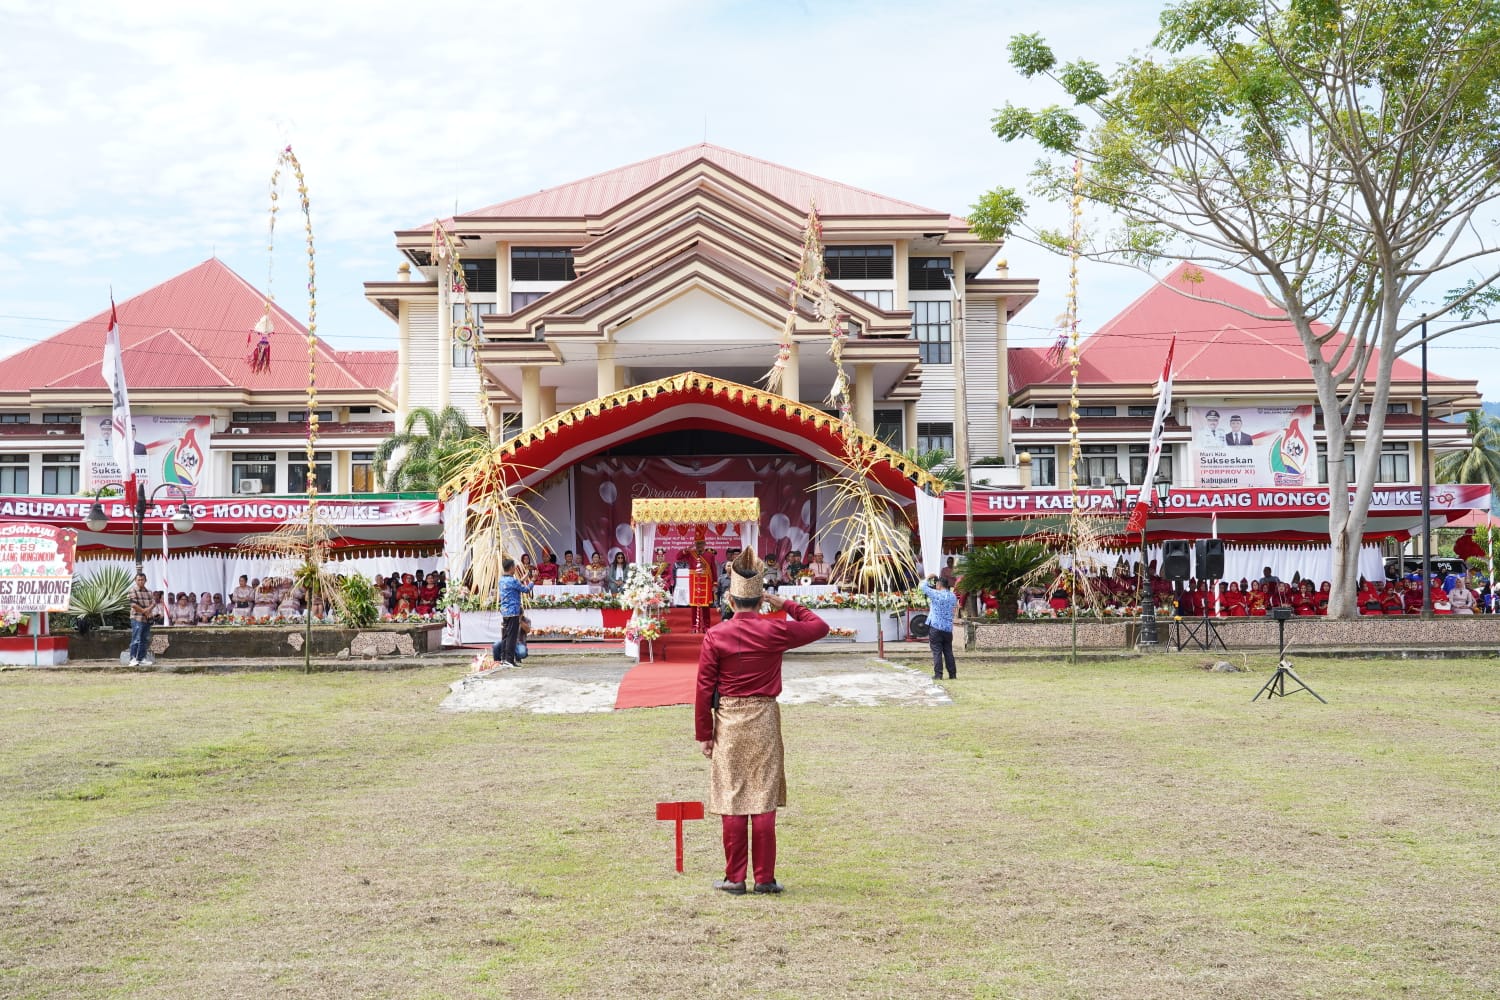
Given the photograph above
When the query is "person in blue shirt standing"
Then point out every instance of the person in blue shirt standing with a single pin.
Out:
(511, 590)
(941, 603)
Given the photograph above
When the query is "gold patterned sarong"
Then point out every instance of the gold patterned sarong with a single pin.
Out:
(747, 773)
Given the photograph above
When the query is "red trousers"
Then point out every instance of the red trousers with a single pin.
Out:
(761, 843)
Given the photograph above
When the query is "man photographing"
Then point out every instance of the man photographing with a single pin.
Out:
(738, 721)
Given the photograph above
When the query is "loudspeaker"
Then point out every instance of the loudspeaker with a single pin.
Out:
(1176, 559)
(1210, 558)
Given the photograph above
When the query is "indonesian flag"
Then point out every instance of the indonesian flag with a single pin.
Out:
(121, 430)
(1137, 520)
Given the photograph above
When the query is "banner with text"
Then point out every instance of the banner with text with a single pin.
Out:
(606, 486)
(168, 449)
(36, 567)
(1190, 500)
(229, 513)
(1239, 446)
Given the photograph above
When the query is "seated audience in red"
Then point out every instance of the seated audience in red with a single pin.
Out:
(1393, 598)
(1059, 601)
(427, 596)
(1233, 602)
(546, 570)
(1256, 602)
(1325, 591)
(1304, 602)
(406, 595)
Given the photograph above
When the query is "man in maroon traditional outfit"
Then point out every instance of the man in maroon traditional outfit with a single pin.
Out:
(738, 721)
(702, 577)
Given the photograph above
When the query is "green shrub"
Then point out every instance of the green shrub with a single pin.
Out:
(357, 608)
(103, 595)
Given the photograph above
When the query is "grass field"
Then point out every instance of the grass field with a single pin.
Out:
(1132, 830)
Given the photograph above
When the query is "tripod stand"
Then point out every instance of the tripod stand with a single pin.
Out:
(1276, 686)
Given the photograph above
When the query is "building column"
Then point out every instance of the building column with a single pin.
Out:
(1002, 373)
(909, 420)
(445, 339)
(623, 377)
(403, 362)
(903, 254)
(791, 375)
(531, 396)
(864, 397)
(549, 401)
(604, 360)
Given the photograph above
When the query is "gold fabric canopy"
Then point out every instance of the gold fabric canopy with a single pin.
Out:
(695, 510)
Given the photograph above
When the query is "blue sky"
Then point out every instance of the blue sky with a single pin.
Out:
(143, 136)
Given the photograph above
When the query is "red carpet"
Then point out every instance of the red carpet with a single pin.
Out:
(670, 680)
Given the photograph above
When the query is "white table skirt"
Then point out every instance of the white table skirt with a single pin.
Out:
(484, 626)
(863, 622)
(811, 590)
(559, 589)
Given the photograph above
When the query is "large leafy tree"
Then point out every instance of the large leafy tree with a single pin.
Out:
(1342, 154)
(426, 452)
(1478, 463)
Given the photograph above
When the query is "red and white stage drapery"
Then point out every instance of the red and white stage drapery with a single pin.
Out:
(606, 489)
(1245, 562)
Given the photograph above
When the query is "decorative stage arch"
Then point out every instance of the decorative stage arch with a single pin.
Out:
(690, 400)
(646, 514)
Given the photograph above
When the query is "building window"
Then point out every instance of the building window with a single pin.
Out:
(478, 310)
(1096, 411)
(15, 418)
(462, 354)
(62, 418)
(1140, 454)
(296, 471)
(362, 472)
(934, 437)
(1398, 407)
(1141, 411)
(252, 471)
(1043, 465)
(880, 298)
(520, 300)
(541, 264)
(889, 426)
(59, 475)
(928, 274)
(1323, 464)
(479, 274)
(1101, 464)
(15, 474)
(253, 417)
(1395, 462)
(300, 416)
(510, 424)
(871, 263)
(932, 326)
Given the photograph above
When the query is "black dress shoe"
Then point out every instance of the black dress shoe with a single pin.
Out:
(734, 888)
(768, 887)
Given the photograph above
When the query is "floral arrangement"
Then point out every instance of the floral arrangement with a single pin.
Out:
(577, 602)
(11, 622)
(482, 662)
(643, 591)
(644, 628)
(576, 632)
(889, 601)
(412, 618)
(241, 620)
(841, 633)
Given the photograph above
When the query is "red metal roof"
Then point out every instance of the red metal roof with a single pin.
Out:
(186, 333)
(376, 369)
(601, 192)
(1217, 341)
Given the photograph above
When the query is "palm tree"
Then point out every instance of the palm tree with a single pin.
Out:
(1480, 462)
(1002, 569)
(939, 464)
(427, 456)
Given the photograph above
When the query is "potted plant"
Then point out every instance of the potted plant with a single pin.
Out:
(105, 593)
(1002, 569)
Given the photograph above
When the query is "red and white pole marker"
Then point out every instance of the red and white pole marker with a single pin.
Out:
(677, 812)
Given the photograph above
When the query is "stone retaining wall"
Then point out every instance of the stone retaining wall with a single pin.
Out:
(271, 642)
(1250, 633)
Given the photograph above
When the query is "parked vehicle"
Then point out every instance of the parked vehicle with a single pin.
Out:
(1397, 567)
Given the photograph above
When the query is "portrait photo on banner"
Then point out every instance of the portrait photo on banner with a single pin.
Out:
(1237, 445)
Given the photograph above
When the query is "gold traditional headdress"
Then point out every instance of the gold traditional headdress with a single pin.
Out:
(745, 575)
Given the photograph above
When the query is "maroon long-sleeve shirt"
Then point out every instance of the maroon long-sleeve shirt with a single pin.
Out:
(742, 657)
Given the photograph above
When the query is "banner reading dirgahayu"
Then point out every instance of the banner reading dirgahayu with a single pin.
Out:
(168, 449)
(1239, 446)
(36, 567)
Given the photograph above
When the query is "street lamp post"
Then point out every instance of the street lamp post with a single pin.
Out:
(1161, 488)
(97, 520)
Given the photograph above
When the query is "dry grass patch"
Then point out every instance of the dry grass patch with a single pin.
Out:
(1112, 830)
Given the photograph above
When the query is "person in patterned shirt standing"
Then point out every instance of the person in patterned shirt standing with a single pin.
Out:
(941, 603)
(142, 607)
